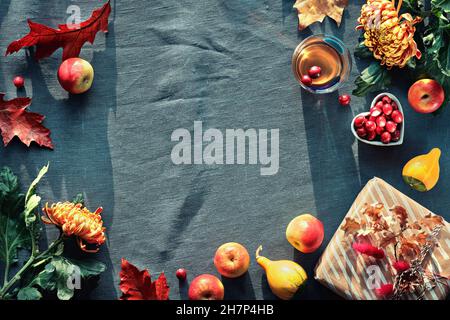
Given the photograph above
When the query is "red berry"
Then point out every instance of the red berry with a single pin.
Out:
(397, 116)
(379, 104)
(375, 111)
(19, 81)
(370, 118)
(379, 130)
(385, 137)
(361, 132)
(306, 80)
(391, 126)
(314, 71)
(396, 135)
(371, 135)
(370, 126)
(344, 100)
(381, 121)
(181, 274)
(387, 109)
(359, 121)
(386, 99)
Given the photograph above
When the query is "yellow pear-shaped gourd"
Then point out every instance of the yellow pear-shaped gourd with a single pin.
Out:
(422, 172)
(285, 277)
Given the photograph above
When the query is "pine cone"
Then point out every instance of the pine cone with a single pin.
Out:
(390, 37)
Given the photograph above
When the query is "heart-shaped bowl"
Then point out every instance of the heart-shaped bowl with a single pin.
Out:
(379, 143)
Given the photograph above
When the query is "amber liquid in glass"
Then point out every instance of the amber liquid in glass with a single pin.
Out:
(326, 57)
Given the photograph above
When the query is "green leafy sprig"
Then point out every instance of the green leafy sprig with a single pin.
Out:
(20, 228)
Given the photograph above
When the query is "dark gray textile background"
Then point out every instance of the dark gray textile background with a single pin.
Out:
(164, 65)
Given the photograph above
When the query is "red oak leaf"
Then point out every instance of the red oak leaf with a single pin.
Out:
(69, 37)
(385, 290)
(27, 126)
(401, 266)
(137, 285)
(368, 249)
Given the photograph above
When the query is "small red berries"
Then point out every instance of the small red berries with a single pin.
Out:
(386, 137)
(19, 81)
(382, 123)
(181, 274)
(397, 116)
(314, 71)
(344, 100)
(391, 126)
(306, 80)
(387, 109)
(370, 126)
(359, 121)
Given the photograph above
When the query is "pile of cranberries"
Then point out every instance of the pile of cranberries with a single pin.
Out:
(383, 123)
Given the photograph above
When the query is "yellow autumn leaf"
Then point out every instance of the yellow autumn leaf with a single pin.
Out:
(310, 11)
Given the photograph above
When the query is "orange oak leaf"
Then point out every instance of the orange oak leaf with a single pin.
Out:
(350, 226)
(401, 215)
(69, 37)
(430, 221)
(137, 284)
(310, 11)
(15, 120)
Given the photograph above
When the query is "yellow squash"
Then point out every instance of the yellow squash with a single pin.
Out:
(422, 172)
(285, 277)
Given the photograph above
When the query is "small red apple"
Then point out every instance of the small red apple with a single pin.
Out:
(232, 260)
(76, 75)
(426, 96)
(206, 287)
(305, 233)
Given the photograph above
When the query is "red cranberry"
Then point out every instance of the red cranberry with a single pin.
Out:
(387, 109)
(391, 126)
(379, 104)
(181, 274)
(370, 126)
(344, 100)
(371, 135)
(359, 121)
(386, 99)
(397, 116)
(314, 71)
(375, 111)
(306, 80)
(379, 130)
(370, 118)
(361, 132)
(394, 105)
(396, 135)
(381, 121)
(19, 81)
(386, 137)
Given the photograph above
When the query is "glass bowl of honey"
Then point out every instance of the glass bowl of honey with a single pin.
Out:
(327, 52)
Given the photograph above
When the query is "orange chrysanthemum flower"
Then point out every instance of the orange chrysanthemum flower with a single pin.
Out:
(74, 219)
(389, 36)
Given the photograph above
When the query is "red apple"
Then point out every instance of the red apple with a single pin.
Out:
(426, 95)
(305, 233)
(206, 287)
(76, 75)
(232, 260)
